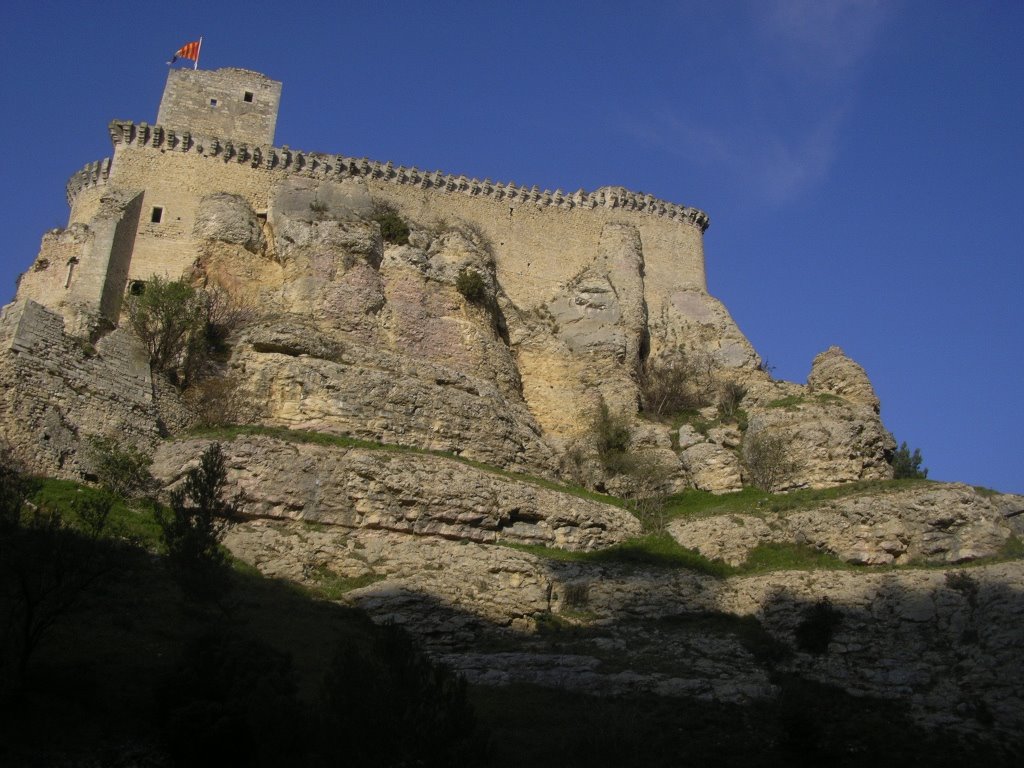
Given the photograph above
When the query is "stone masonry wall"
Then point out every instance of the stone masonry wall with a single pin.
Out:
(541, 239)
(214, 102)
(56, 390)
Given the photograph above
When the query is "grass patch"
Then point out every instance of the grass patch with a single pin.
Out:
(789, 402)
(332, 586)
(752, 501)
(790, 557)
(134, 522)
(1012, 549)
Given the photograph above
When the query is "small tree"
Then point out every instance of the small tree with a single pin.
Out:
(818, 626)
(391, 705)
(13, 489)
(672, 383)
(121, 469)
(908, 465)
(198, 517)
(767, 460)
(611, 435)
(170, 318)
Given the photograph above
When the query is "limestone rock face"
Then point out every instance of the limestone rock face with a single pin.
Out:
(947, 643)
(832, 372)
(829, 442)
(934, 523)
(700, 324)
(712, 467)
(228, 218)
(405, 492)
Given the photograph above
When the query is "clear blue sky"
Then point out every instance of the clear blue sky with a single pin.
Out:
(862, 162)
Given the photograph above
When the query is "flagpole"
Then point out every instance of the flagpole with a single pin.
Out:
(198, 51)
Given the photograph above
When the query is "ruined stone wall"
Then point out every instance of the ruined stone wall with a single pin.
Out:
(56, 390)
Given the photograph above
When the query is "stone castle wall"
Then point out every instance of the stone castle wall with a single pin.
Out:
(541, 239)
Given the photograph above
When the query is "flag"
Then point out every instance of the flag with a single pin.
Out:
(188, 51)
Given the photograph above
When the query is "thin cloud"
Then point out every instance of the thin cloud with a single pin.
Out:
(777, 129)
(822, 38)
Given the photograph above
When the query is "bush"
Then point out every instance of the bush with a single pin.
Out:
(183, 327)
(122, 470)
(13, 490)
(729, 398)
(471, 285)
(611, 435)
(907, 465)
(392, 226)
(673, 383)
(767, 461)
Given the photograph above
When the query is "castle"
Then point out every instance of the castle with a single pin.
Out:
(133, 214)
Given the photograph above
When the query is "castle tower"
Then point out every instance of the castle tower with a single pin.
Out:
(229, 103)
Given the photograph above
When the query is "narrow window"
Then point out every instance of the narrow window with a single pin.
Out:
(247, 96)
(213, 102)
(157, 216)
(71, 271)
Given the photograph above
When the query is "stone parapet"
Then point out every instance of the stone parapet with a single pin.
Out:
(323, 166)
(91, 175)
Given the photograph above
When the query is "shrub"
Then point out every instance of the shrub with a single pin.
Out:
(13, 490)
(673, 383)
(199, 515)
(121, 469)
(818, 626)
(183, 327)
(392, 226)
(611, 435)
(908, 465)
(471, 285)
(93, 511)
(729, 398)
(767, 461)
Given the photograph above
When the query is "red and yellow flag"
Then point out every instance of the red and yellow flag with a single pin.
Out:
(188, 51)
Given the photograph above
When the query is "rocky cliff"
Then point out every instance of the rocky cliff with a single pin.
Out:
(464, 438)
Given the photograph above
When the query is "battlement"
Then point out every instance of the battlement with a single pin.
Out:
(92, 175)
(324, 166)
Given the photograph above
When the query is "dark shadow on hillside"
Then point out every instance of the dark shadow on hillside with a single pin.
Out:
(93, 692)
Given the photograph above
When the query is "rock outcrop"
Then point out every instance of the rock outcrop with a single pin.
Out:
(401, 491)
(929, 523)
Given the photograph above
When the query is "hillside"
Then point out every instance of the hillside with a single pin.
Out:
(516, 424)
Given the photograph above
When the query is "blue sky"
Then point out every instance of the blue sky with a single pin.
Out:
(862, 162)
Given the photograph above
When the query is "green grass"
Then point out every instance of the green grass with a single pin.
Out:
(332, 586)
(133, 522)
(789, 402)
(751, 501)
